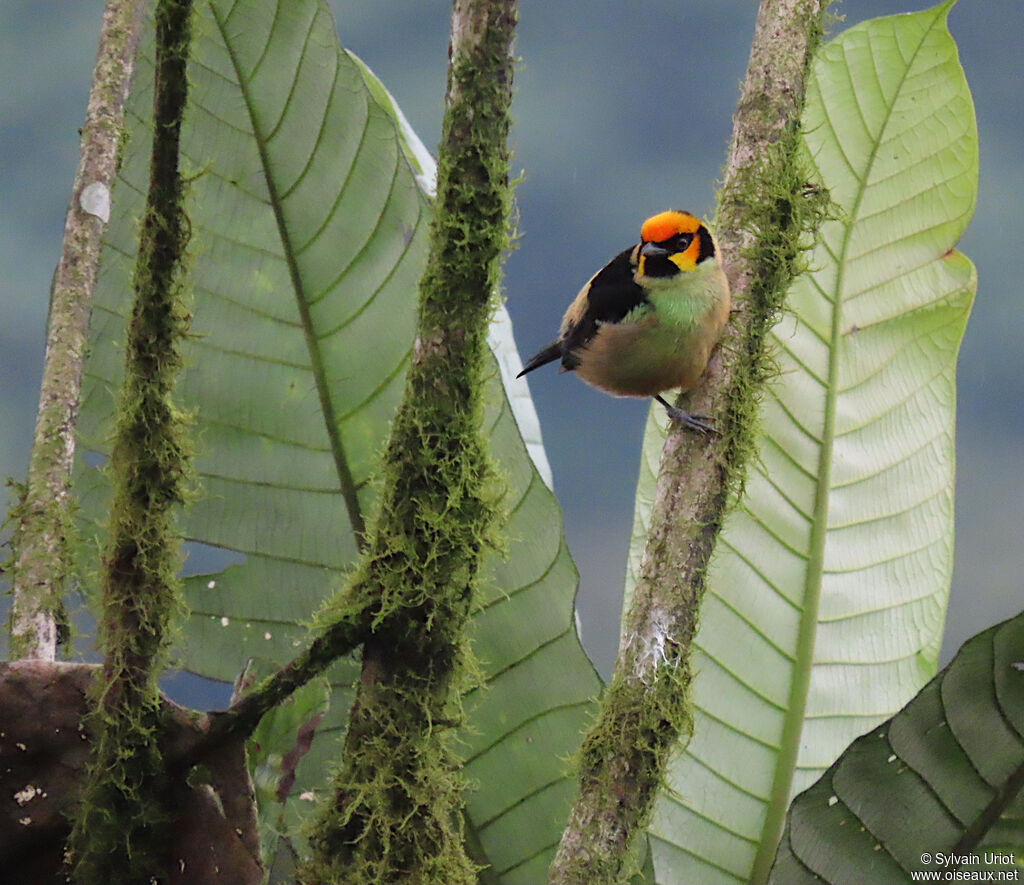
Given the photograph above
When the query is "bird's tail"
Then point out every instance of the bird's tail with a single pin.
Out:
(549, 354)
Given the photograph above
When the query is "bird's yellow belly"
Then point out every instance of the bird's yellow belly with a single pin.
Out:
(643, 359)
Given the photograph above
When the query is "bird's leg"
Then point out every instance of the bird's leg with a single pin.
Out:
(694, 422)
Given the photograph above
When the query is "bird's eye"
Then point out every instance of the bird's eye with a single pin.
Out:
(682, 241)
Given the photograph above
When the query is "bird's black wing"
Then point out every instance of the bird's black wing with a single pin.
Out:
(610, 296)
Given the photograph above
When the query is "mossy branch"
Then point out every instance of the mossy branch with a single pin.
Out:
(44, 519)
(396, 812)
(116, 834)
(767, 214)
(344, 634)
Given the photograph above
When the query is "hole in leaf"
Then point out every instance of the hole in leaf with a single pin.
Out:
(205, 559)
(94, 459)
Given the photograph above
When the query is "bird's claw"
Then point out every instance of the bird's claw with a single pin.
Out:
(694, 422)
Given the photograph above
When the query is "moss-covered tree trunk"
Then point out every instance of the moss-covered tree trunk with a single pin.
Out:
(118, 829)
(396, 814)
(765, 213)
(44, 518)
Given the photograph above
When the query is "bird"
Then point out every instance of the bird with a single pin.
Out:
(649, 319)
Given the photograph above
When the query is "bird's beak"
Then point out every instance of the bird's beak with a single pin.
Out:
(652, 250)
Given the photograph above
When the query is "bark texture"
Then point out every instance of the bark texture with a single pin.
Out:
(43, 756)
(44, 518)
(396, 812)
(765, 213)
(119, 831)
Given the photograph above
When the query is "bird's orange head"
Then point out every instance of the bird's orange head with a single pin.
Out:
(677, 236)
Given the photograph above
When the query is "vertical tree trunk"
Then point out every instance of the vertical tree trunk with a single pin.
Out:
(118, 830)
(396, 815)
(44, 517)
(764, 216)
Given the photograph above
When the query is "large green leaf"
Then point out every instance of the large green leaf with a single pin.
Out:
(828, 588)
(940, 785)
(310, 209)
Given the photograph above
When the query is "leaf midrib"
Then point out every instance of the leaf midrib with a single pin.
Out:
(789, 746)
(348, 487)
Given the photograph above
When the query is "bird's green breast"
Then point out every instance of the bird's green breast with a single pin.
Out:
(663, 343)
(684, 302)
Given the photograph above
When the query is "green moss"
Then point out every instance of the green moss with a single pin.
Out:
(396, 812)
(51, 519)
(776, 200)
(784, 208)
(646, 709)
(118, 832)
(626, 754)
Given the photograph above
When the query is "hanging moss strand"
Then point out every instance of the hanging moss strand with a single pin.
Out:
(116, 833)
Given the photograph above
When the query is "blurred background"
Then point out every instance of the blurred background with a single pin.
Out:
(621, 110)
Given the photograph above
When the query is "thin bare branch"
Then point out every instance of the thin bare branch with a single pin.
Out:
(44, 517)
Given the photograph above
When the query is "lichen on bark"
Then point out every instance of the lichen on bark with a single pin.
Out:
(43, 519)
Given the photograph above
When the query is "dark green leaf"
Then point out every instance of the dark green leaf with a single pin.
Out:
(941, 780)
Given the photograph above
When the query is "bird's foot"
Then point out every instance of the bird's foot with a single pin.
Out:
(694, 422)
